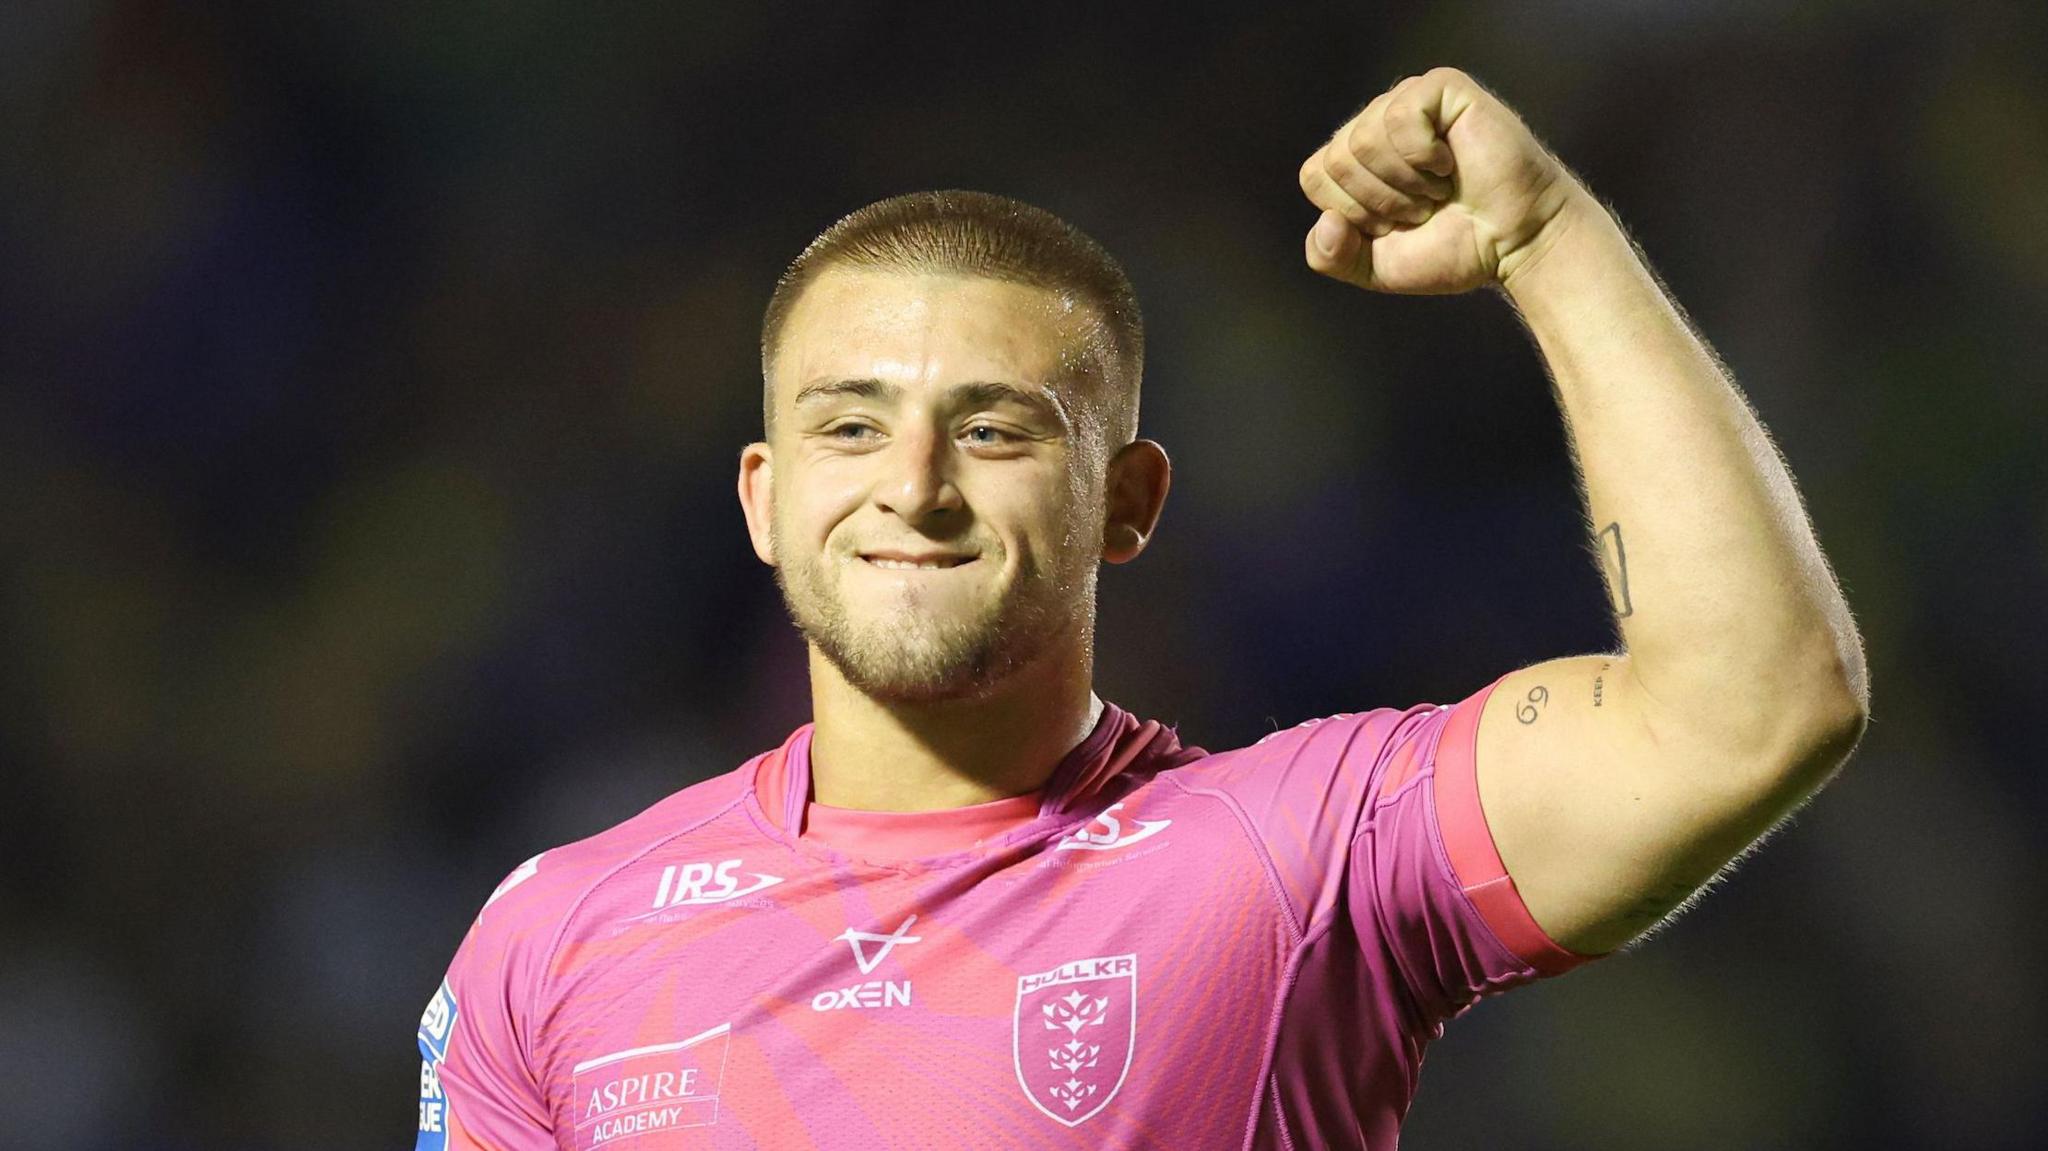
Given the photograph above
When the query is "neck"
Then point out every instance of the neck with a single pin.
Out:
(877, 755)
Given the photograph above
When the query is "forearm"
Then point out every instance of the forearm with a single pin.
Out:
(1732, 621)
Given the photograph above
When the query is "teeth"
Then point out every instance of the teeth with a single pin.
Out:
(905, 565)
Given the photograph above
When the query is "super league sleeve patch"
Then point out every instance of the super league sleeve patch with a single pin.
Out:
(437, 1026)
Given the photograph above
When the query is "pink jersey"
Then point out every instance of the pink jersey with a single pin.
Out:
(1166, 948)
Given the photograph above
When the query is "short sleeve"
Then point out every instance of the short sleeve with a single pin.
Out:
(476, 1091)
(1425, 871)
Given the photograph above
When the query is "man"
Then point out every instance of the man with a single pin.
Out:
(972, 904)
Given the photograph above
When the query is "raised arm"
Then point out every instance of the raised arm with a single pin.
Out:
(1615, 785)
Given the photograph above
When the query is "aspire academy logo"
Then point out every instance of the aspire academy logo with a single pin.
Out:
(644, 1090)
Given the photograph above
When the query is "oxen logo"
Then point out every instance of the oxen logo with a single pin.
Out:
(867, 963)
(1073, 1033)
(875, 992)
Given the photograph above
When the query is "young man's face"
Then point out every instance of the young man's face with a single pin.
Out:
(935, 482)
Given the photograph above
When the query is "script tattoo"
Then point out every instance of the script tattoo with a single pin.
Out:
(1617, 567)
(1597, 684)
(1527, 709)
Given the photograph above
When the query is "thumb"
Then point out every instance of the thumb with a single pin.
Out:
(1337, 250)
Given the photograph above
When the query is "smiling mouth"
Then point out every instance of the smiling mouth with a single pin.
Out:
(927, 563)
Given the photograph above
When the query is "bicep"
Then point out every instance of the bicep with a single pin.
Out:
(1605, 817)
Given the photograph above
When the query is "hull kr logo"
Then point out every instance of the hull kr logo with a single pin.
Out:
(1107, 833)
(1073, 1033)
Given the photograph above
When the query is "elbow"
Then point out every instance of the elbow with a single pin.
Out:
(1811, 729)
(1844, 713)
(1835, 740)
(1833, 704)
(1826, 734)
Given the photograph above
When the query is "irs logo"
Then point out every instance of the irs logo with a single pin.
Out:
(701, 883)
(1073, 1033)
(1107, 833)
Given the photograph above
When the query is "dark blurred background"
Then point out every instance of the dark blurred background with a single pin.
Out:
(374, 378)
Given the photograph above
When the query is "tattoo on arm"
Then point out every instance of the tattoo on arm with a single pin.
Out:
(1597, 684)
(1526, 710)
(1617, 569)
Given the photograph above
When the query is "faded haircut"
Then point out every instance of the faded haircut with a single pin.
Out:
(994, 237)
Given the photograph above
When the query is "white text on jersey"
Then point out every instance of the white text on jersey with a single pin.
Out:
(1106, 832)
(875, 992)
(698, 883)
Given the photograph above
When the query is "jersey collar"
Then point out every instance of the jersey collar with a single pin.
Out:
(1118, 742)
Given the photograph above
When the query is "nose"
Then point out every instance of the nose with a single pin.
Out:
(916, 482)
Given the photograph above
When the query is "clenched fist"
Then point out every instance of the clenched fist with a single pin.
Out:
(1435, 188)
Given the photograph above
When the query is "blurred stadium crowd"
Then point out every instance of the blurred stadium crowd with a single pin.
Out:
(372, 379)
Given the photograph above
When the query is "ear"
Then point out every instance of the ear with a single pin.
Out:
(757, 497)
(1139, 475)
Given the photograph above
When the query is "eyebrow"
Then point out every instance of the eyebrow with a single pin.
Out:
(979, 394)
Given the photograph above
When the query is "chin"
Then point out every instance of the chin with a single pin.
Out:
(896, 686)
(926, 673)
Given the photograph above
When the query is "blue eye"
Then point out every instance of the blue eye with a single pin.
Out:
(995, 435)
(839, 433)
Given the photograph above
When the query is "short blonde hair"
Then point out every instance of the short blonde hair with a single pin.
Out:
(978, 234)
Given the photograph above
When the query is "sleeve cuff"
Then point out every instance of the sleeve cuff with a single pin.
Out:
(1469, 843)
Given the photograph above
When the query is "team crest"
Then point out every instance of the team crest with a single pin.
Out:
(1073, 1033)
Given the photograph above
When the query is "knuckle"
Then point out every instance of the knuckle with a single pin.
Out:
(1340, 163)
(1358, 142)
(1375, 196)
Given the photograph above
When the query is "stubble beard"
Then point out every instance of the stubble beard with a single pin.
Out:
(908, 654)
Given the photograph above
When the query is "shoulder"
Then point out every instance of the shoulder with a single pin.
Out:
(1309, 752)
(531, 903)
(479, 1028)
(1302, 794)
(1305, 790)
